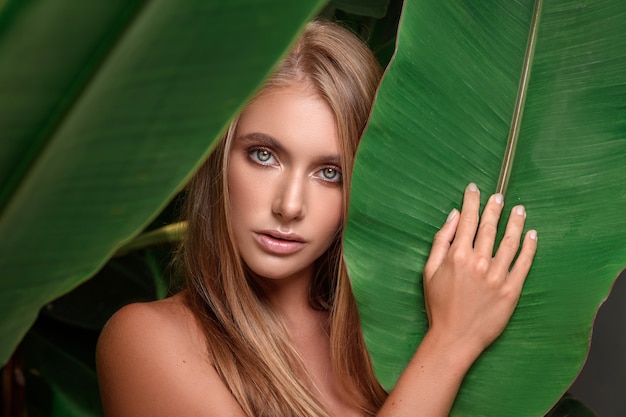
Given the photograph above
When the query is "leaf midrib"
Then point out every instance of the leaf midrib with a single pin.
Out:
(522, 92)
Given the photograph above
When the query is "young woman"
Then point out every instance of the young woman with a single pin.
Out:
(267, 324)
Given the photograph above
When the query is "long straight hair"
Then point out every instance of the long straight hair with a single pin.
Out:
(247, 342)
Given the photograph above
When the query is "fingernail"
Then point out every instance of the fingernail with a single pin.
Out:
(451, 216)
(520, 210)
(498, 198)
(472, 187)
(532, 234)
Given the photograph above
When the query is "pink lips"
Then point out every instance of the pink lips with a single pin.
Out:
(279, 243)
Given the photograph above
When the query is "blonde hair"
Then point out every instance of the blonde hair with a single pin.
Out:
(248, 345)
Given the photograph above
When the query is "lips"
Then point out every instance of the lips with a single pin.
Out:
(278, 243)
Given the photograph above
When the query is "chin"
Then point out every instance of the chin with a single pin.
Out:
(273, 271)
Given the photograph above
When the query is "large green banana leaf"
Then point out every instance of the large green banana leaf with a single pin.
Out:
(106, 108)
(442, 119)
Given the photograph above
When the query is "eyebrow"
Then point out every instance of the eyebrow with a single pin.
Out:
(270, 142)
(261, 138)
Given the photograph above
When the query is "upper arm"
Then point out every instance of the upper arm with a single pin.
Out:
(147, 366)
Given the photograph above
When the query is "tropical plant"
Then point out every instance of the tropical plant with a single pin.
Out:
(105, 125)
(107, 108)
(468, 82)
(112, 105)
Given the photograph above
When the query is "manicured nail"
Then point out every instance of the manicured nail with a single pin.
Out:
(520, 210)
(498, 198)
(532, 234)
(472, 187)
(451, 216)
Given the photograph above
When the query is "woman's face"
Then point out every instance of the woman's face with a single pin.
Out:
(285, 183)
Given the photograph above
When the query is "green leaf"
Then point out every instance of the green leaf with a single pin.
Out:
(373, 8)
(570, 407)
(168, 234)
(441, 120)
(111, 107)
(121, 281)
(60, 370)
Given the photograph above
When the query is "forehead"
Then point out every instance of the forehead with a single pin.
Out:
(295, 116)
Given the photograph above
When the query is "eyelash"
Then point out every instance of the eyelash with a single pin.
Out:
(254, 151)
(253, 155)
(337, 170)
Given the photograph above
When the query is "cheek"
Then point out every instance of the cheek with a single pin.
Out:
(329, 212)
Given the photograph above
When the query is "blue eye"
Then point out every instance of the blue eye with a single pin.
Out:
(261, 156)
(331, 174)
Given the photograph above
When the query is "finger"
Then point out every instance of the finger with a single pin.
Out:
(441, 244)
(489, 226)
(524, 260)
(510, 242)
(469, 217)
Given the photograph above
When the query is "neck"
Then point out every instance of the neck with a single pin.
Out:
(289, 296)
(308, 329)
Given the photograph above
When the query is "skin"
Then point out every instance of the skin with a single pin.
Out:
(470, 298)
(284, 181)
(152, 358)
(285, 190)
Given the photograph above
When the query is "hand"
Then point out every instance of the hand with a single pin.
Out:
(471, 294)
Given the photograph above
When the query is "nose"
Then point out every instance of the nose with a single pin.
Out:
(289, 203)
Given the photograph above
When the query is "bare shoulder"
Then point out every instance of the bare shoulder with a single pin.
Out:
(152, 361)
(157, 321)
